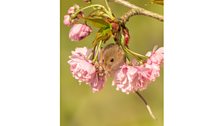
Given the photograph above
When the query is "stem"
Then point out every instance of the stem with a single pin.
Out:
(136, 54)
(147, 106)
(90, 6)
(137, 11)
(108, 7)
(128, 51)
(89, 56)
(97, 51)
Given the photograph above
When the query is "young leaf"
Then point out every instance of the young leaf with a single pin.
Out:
(99, 13)
(103, 34)
(97, 22)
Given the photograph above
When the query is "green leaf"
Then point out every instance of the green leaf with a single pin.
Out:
(99, 13)
(103, 34)
(97, 22)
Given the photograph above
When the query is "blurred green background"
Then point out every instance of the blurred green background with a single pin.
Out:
(80, 107)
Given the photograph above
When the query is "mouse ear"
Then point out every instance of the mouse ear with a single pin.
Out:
(120, 52)
(118, 48)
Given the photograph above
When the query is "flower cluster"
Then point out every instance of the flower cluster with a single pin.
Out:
(68, 21)
(84, 70)
(128, 78)
(86, 65)
(78, 31)
(133, 78)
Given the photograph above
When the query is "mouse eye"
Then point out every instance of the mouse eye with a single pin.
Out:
(112, 60)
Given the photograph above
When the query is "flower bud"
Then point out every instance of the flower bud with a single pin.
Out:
(126, 35)
(71, 10)
(79, 32)
(67, 21)
(115, 26)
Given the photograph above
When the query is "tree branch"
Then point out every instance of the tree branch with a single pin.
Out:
(135, 10)
(147, 105)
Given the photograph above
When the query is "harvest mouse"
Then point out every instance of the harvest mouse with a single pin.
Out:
(111, 58)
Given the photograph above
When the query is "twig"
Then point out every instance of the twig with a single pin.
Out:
(147, 106)
(135, 10)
